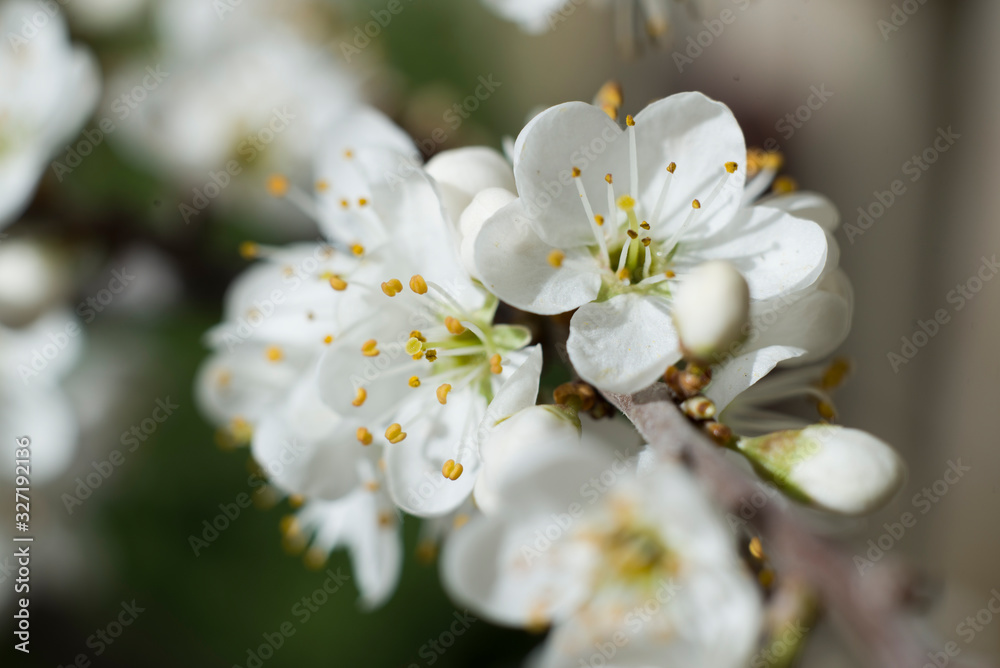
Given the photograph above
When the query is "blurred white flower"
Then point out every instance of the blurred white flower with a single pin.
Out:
(49, 89)
(710, 309)
(639, 565)
(601, 226)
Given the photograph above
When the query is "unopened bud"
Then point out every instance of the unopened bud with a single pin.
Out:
(842, 470)
(710, 308)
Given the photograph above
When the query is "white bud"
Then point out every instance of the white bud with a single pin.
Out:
(525, 440)
(710, 308)
(842, 470)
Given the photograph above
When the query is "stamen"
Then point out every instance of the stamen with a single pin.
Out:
(453, 325)
(370, 348)
(328, 339)
(321, 186)
(664, 189)
(632, 234)
(394, 434)
(274, 354)
(647, 262)
(359, 397)
(392, 287)
(416, 334)
(451, 470)
(358, 249)
(277, 185)
(414, 381)
(611, 196)
(249, 250)
(442, 393)
(609, 99)
(431, 355)
(644, 225)
(364, 436)
(418, 284)
(633, 157)
(595, 220)
(495, 366)
(731, 167)
(362, 202)
(556, 257)
(337, 283)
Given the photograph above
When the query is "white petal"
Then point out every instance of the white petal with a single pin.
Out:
(514, 265)
(461, 173)
(518, 392)
(700, 135)
(483, 206)
(809, 206)
(623, 344)
(776, 253)
(569, 135)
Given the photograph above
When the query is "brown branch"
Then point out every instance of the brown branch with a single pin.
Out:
(866, 610)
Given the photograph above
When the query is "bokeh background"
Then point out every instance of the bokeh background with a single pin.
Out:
(891, 91)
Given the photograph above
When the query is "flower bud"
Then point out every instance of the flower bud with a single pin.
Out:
(519, 443)
(710, 308)
(842, 470)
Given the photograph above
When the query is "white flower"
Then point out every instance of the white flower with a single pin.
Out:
(710, 308)
(642, 562)
(607, 219)
(837, 469)
(50, 88)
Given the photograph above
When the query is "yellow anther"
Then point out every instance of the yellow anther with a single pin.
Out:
(756, 548)
(442, 393)
(344, 203)
(556, 257)
(426, 551)
(274, 354)
(826, 410)
(626, 203)
(370, 348)
(358, 249)
(249, 250)
(609, 98)
(576, 172)
(766, 578)
(418, 356)
(414, 381)
(772, 160)
(387, 290)
(395, 433)
(431, 355)
(315, 558)
(670, 274)
(328, 339)
(644, 225)
(632, 234)
(296, 500)
(629, 121)
(452, 471)
(289, 525)
(240, 430)
(277, 185)
(784, 185)
(348, 153)
(646, 241)
(672, 167)
(607, 177)
(386, 519)
(337, 283)
(392, 287)
(414, 346)
(224, 378)
(834, 376)
(364, 436)
(696, 204)
(622, 274)
(460, 521)
(359, 397)
(372, 486)
(418, 335)
(418, 284)
(599, 219)
(495, 364)
(454, 326)
(362, 202)
(322, 186)
(731, 167)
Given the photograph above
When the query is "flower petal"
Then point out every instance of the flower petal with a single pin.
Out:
(514, 264)
(461, 173)
(623, 344)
